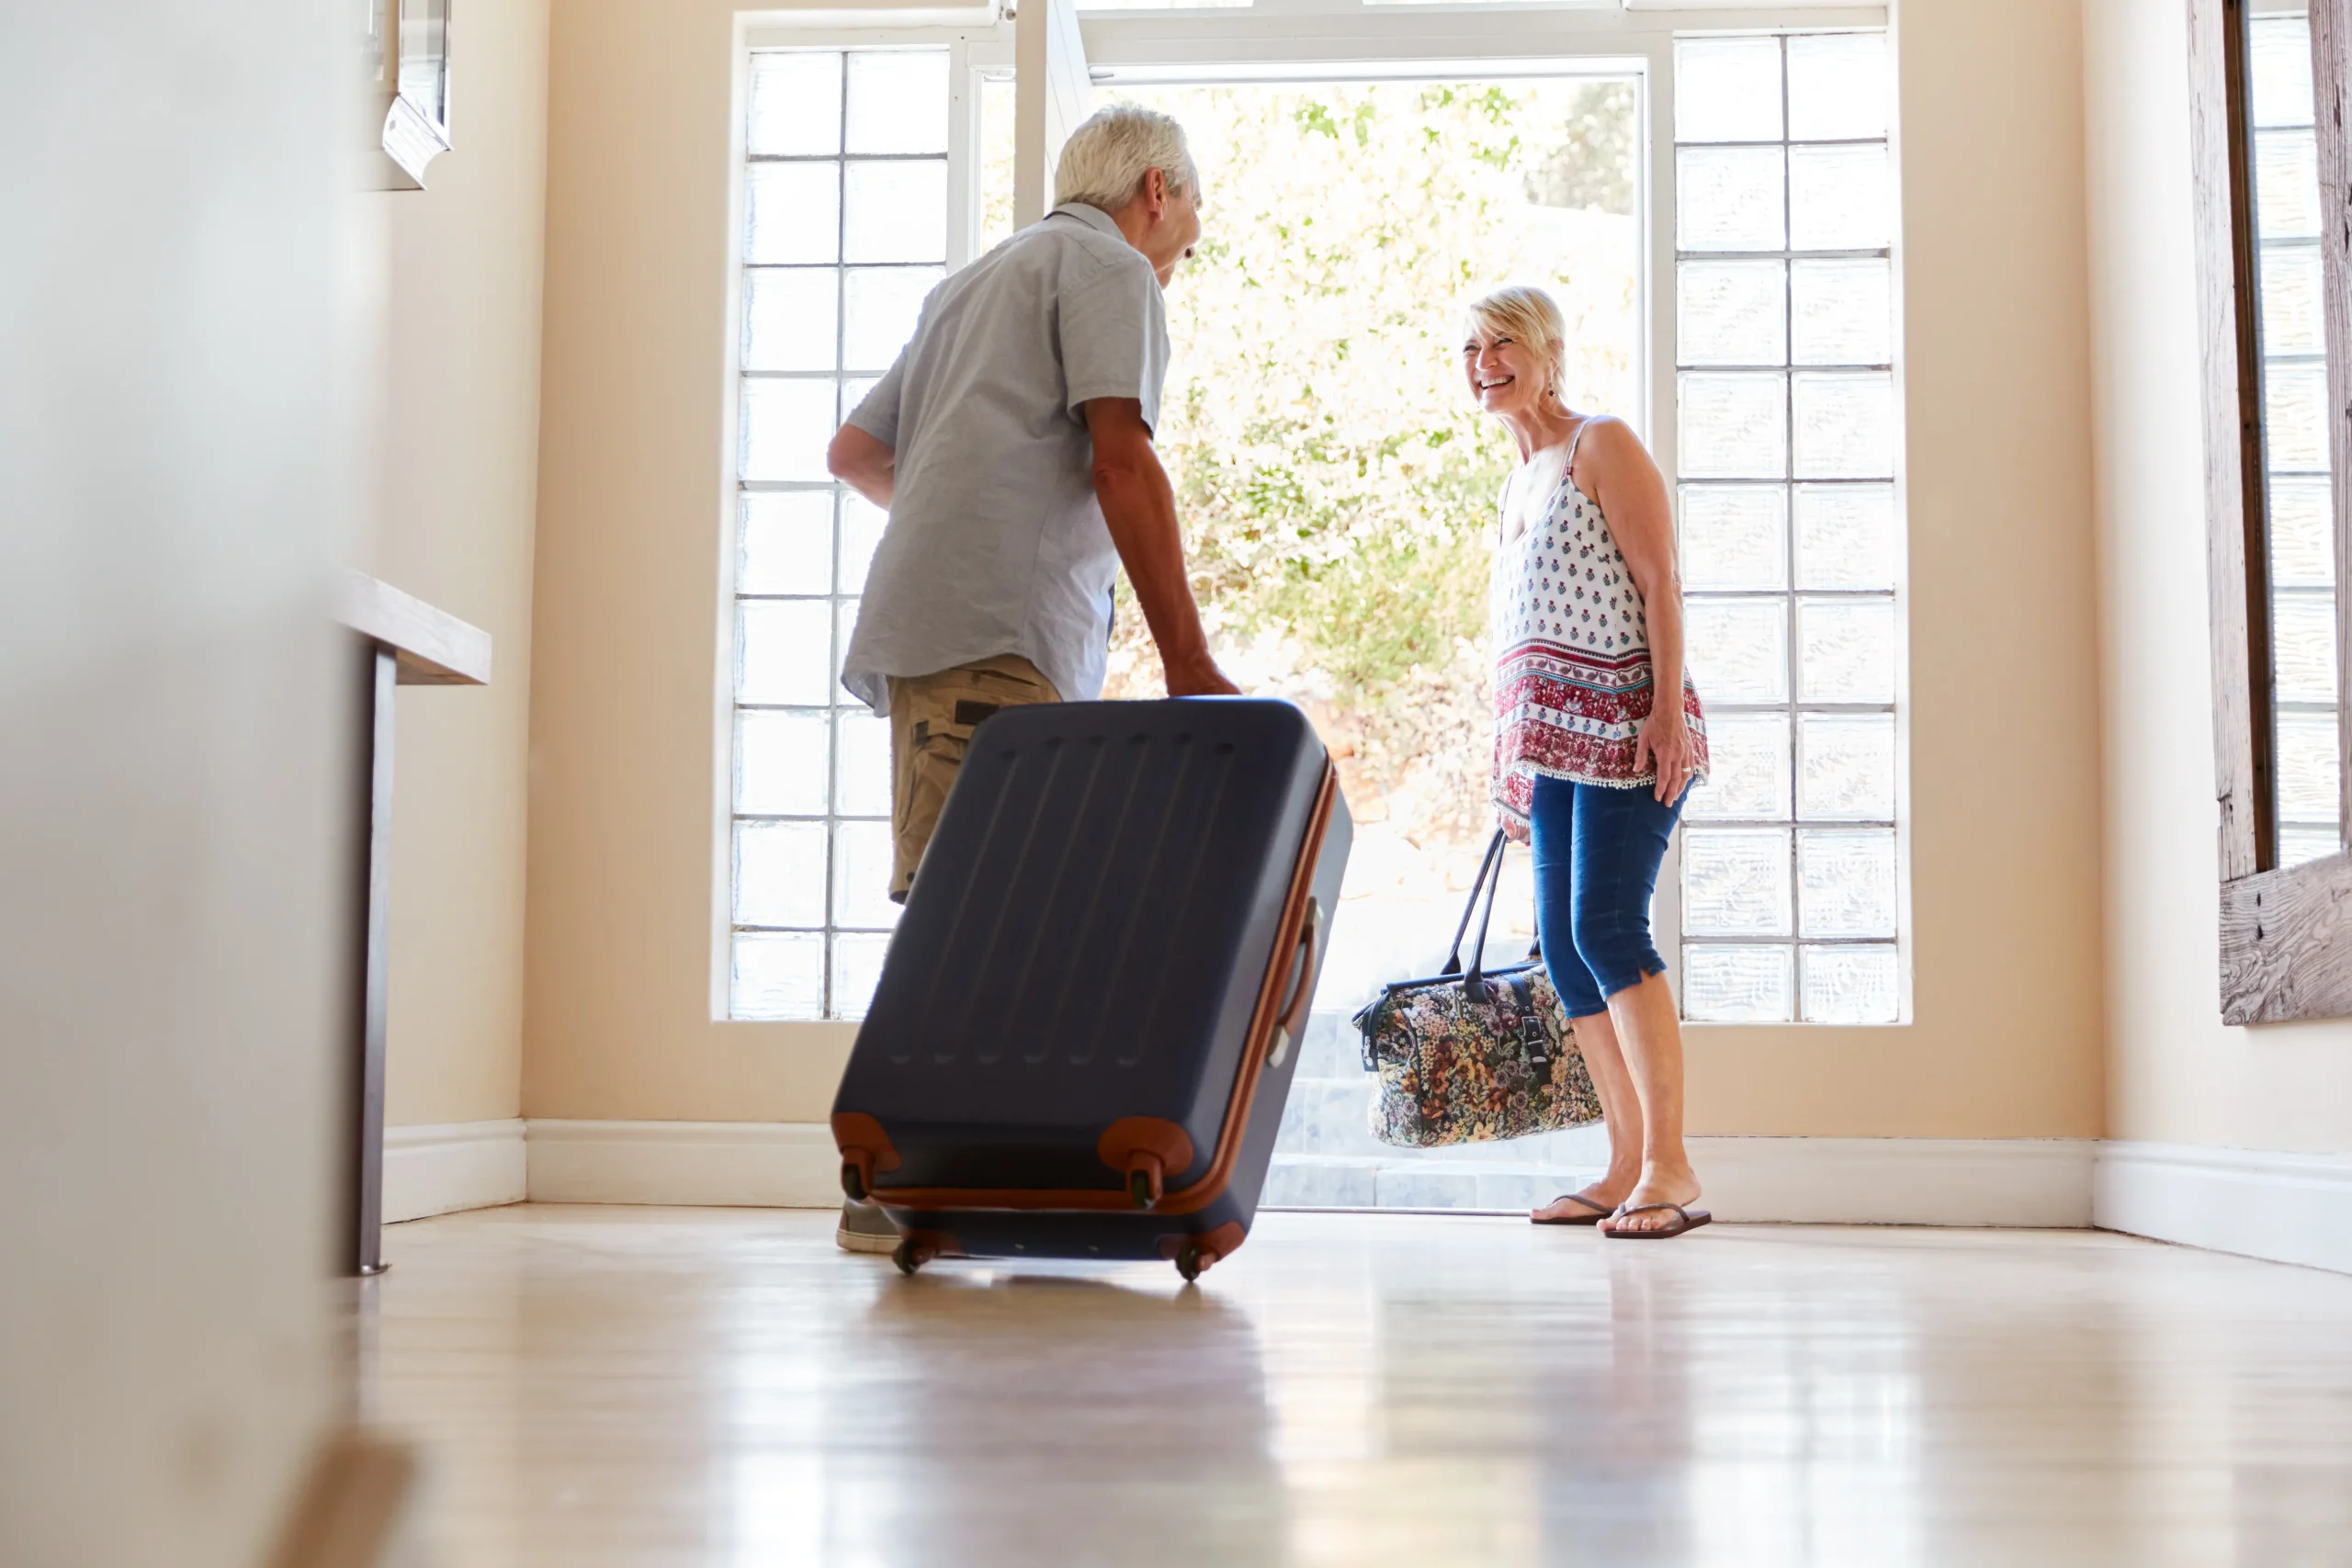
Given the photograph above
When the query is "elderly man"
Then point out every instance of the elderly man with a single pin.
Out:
(1012, 446)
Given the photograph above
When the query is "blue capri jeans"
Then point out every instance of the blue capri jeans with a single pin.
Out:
(1596, 854)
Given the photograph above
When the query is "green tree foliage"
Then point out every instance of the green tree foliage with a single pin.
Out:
(1337, 484)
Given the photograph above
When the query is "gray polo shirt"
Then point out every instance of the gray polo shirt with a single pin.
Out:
(996, 544)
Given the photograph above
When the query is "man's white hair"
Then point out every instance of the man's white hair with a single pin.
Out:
(1104, 160)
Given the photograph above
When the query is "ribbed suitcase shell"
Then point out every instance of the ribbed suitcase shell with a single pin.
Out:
(1106, 925)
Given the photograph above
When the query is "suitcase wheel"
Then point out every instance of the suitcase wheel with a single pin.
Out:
(1191, 1258)
(911, 1254)
(1140, 1189)
(853, 1182)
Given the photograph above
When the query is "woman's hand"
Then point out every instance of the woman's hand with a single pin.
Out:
(1664, 740)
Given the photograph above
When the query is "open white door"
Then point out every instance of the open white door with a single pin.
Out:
(1052, 95)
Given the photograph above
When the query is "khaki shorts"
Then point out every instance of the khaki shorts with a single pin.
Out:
(932, 719)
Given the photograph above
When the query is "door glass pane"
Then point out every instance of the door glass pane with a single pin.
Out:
(1730, 312)
(862, 876)
(1845, 883)
(897, 101)
(790, 319)
(788, 542)
(1735, 425)
(1839, 198)
(898, 213)
(1851, 985)
(1848, 770)
(1735, 882)
(1727, 89)
(1737, 985)
(1748, 769)
(1838, 88)
(1846, 649)
(1729, 198)
(1844, 536)
(857, 969)
(796, 104)
(786, 427)
(795, 213)
(1734, 538)
(779, 873)
(779, 763)
(1739, 649)
(1842, 311)
(1845, 424)
(783, 652)
(865, 763)
(777, 975)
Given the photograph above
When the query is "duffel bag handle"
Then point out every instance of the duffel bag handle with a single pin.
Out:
(1492, 864)
(1491, 882)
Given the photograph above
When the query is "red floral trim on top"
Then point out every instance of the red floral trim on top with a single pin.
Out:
(1576, 714)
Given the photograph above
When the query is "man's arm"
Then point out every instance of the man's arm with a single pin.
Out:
(1140, 506)
(865, 463)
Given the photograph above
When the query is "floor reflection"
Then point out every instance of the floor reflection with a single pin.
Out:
(608, 1387)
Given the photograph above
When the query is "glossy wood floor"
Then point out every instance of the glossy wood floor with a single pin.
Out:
(600, 1387)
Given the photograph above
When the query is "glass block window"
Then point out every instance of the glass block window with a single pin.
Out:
(845, 215)
(2300, 509)
(1784, 217)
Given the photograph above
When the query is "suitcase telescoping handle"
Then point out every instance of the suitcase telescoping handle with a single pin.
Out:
(1292, 1018)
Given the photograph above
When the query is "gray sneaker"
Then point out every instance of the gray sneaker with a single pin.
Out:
(865, 1228)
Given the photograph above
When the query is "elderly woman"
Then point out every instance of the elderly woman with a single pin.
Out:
(1588, 765)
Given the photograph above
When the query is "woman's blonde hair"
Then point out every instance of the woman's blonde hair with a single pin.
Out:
(1523, 311)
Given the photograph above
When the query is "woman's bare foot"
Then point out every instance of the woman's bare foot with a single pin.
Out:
(1659, 1184)
(1603, 1196)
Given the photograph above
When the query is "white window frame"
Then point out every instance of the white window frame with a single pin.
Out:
(1305, 40)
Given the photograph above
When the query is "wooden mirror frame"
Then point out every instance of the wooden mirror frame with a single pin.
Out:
(2285, 932)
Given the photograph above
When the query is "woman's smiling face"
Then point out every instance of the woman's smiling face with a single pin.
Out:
(1505, 373)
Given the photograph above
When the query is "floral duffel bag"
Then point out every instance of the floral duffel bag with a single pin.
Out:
(1472, 1057)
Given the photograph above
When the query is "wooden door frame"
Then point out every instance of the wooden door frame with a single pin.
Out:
(2286, 934)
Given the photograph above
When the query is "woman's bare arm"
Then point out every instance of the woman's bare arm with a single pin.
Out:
(1614, 469)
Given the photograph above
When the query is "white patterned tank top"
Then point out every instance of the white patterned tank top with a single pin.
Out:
(1572, 655)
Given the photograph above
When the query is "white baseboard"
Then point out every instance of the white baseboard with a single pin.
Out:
(441, 1167)
(1920, 1181)
(2036, 1182)
(2287, 1208)
(758, 1165)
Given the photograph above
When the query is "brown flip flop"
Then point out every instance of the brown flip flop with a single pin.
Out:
(1599, 1212)
(1690, 1220)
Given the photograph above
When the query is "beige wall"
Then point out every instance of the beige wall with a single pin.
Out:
(459, 462)
(630, 485)
(2175, 1073)
(2004, 763)
(2005, 760)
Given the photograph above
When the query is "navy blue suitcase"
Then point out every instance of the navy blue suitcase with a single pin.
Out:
(1089, 1016)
